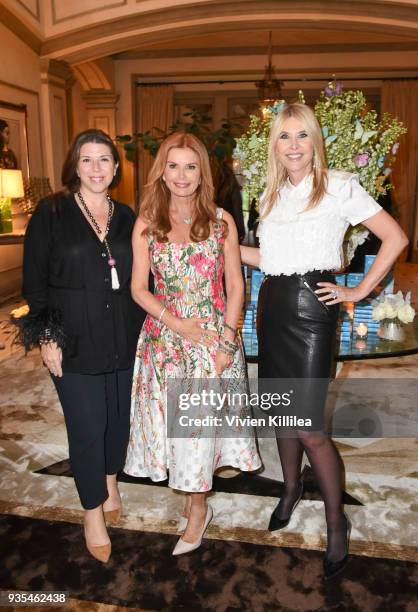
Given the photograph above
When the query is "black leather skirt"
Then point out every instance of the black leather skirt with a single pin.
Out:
(297, 337)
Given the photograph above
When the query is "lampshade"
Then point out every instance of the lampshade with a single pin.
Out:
(11, 184)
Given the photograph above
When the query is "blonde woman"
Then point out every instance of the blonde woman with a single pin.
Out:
(305, 212)
(190, 331)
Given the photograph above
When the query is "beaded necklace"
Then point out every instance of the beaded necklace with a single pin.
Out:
(111, 261)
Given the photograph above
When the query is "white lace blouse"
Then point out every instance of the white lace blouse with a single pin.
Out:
(292, 241)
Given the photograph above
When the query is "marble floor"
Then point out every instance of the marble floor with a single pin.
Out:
(381, 474)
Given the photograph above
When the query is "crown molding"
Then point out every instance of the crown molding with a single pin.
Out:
(277, 50)
(124, 33)
(15, 25)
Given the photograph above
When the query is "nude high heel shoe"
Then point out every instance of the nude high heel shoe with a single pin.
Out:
(183, 547)
(182, 524)
(101, 553)
(113, 516)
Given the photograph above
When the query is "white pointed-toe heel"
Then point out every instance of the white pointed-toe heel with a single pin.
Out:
(182, 523)
(183, 547)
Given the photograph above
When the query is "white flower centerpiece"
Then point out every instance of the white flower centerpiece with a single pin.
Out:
(355, 141)
(392, 311)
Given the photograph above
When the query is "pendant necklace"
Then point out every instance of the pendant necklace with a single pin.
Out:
(188, 220)
(111, 261)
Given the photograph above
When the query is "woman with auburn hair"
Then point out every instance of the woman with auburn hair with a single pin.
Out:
(191, 328)
(305, 212)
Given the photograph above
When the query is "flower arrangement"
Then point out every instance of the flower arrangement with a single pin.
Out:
(394, 308)
(355, 141)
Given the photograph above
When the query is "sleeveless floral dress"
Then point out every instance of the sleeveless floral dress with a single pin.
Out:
(188, 278)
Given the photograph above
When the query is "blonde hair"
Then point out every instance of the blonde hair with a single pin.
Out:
(277, 173)
(156, 199)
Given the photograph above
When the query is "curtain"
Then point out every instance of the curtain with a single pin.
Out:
(154, 110)
(400, 99)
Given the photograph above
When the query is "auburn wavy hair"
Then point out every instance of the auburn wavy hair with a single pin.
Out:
(155, 202)
(277, 173)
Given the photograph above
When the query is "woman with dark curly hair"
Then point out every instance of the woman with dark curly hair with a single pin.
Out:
(76, 280)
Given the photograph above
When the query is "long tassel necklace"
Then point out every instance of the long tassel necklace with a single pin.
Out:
(111, 261)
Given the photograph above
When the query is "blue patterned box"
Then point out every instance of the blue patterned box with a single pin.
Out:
(354, 279)
(256, 279)
(368, 262)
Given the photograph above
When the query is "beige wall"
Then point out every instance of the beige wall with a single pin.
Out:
(125, 125)
(79, 114)
(20, 83)
(26, 79)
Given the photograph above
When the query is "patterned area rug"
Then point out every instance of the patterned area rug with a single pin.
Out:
(221, 576)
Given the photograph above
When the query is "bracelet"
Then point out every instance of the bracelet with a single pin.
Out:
(224, 350)
(234, 331)
(46, 337)
(231, 345)
(161, 314)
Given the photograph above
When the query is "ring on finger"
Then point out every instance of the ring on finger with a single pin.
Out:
(334, 293)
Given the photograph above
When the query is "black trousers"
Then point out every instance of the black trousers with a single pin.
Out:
(297, 340)
(97, 415)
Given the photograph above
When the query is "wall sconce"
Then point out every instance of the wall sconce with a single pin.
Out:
(11, 186)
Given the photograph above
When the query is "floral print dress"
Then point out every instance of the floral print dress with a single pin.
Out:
(188, 279)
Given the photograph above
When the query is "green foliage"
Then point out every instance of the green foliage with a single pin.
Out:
(219, 143)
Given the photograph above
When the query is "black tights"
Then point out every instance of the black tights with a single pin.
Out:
(327, 466)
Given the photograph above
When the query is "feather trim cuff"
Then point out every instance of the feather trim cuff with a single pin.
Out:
(32, 330)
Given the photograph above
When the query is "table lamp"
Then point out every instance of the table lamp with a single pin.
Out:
(11, 186)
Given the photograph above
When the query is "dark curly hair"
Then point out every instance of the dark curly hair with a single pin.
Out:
(69, 176)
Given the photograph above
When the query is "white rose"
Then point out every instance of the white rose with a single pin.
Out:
(406, 313)
(379, 312)
(390, 311)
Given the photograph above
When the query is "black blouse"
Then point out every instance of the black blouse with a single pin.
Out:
(66, 271)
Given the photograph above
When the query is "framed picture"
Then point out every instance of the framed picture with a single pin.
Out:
(13, 137)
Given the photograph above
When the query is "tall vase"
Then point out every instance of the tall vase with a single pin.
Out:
(392, 330)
